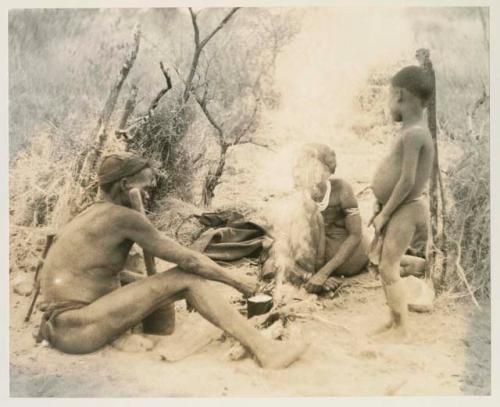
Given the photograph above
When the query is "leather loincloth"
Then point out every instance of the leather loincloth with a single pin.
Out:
(51, 312)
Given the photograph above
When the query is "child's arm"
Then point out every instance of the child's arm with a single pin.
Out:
(413, 141)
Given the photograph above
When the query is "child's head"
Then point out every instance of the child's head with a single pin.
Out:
(411, 88)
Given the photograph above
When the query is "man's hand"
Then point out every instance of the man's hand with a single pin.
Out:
(248, 286)
(315, 283)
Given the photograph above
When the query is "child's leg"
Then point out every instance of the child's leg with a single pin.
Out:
(398, 234)
(412, 266)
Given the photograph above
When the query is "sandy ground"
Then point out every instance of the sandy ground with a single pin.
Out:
(448, 354)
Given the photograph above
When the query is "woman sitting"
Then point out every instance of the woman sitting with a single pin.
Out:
(324, 238)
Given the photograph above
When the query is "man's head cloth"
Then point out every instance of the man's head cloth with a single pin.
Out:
(120, 165)
(415, 80)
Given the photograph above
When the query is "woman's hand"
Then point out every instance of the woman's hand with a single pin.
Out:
(315, 283)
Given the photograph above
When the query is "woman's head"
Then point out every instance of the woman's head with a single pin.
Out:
(314, 164)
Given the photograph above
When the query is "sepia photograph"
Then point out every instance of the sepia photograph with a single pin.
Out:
(240, 201)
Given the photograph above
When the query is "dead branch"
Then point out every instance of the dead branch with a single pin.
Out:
(198, 47)
(162, 92)
(202, 102)
(324, 321)
(219, 27)
(129, 107)
(195, 27)
(473, 111)
(461, 274)
(87, 162)
(255, 143)
(245, 130)
(129, 133)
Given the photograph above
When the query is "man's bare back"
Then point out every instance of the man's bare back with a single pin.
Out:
(84, 262)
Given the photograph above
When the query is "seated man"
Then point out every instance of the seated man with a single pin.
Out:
(87, 307)
(335, 236)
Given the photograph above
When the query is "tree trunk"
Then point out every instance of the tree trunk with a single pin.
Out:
(213, 180)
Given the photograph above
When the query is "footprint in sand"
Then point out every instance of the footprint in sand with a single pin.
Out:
(368, 354)
(133, 343)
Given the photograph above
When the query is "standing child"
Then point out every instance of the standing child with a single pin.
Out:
(399, 184)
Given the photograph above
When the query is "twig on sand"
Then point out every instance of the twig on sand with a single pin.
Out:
(392, 390)
(318, 318)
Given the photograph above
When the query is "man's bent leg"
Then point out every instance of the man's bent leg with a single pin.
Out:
(89, 328)
(269, 354)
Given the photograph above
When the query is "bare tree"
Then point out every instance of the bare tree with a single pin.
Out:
(231, 91)
(225, 140)
(198, 47)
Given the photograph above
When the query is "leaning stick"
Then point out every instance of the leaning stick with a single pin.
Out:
(48, 242)
(136, 202)
(461, 274)
(322, 320)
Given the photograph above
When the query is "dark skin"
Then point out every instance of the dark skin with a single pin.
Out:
(400, 178)
(84, 263)
(347, 254)
(341, 263)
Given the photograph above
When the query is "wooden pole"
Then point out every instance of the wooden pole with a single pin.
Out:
(136, 201)
(48, 242)
(437, 241)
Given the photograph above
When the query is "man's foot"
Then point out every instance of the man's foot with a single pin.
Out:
(282, 355)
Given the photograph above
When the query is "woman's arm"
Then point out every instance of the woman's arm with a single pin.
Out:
(353, 227)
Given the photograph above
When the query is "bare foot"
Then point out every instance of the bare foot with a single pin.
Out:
(396, 334)
(381, 329)
(282, 355)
